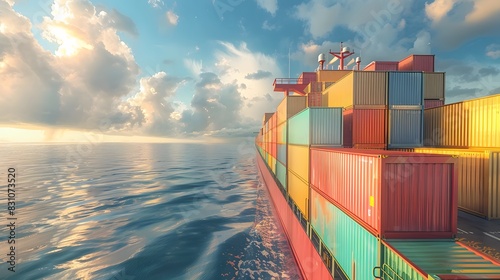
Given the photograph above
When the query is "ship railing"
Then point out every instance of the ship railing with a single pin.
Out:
(288, 81)
(386, 273)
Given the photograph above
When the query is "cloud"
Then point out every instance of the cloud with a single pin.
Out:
(155, 3)
(458, 21)
(490, 70)
(362, 17)
(438, 9)
(267, 26)
(82, 83)
(271, 6)
(258, 75)
(370, 48)
(493, 51)
(172, 18)
(121, 22)
(155, 99)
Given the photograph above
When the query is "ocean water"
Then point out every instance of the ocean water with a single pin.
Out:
(140, 211)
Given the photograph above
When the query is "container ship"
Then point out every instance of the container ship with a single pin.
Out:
(367, 169)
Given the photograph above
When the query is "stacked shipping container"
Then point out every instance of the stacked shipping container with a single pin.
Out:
(317, 126)
(354, 199)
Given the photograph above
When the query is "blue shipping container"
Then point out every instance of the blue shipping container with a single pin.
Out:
(405, 88)
(406, 128)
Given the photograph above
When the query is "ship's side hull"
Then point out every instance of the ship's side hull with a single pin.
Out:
(308, 260)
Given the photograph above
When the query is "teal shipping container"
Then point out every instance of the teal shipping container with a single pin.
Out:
(436, 260)
(406, 128)
(321, 126)
(282, 153)
(281, 174)
(355, 249)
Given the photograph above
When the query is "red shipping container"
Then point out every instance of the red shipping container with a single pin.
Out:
(415, 62)
(308, 260)
(433, 103)
(314, 99)
(365, 127)
(382, 66)
(273, 149)
(392, 194)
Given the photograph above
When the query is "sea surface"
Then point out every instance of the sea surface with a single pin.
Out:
(140, 211)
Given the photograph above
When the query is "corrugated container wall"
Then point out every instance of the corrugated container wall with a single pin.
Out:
(281, 133)
(431, 103)
(354, 248)
(281, 174)
(397, 194)
(309, 261)
(331, 75)
(484, 121)
(382, 66)
(289, 106)
(405, 128)
(299, 192)
(282, 153)
(450, 259)
(405, 88)
(434, 85)
(478, 180)
(298, 161)
(266, 117)
(365, 127)
(446, 126)
(316, 126)
(417, 63)
(359, 88)
(314, 99)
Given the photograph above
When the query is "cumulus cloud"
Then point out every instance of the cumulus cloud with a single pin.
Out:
(457, 21)
(386, 46)
(155, 3)
(362, 17)
(438, 9)
(258, 75)
(172, 17)
(271, 6)
(493, 51)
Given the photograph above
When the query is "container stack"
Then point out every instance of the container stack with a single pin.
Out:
(382, 66)
(406, 115)
(416, 62)
(363, 95)
(313, 93)
(289, 106)
(316, 126)
(434, 88)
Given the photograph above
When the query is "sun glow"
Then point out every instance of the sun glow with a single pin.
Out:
(69, 44)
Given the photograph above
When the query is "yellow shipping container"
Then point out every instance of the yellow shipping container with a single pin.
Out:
(298, 161)
(272, 164)
(299, 192)
(331, 75)
(281, 133)
(359, 88)
(478, 179)
(289, 106)
(484, 121)
(341, 93)
(473, 123)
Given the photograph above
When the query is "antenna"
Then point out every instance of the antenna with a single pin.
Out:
(321, 60)
(289, 62)
(343, 54)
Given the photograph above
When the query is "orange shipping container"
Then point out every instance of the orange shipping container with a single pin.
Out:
(392, 194)
(417, 63)
(382, 66)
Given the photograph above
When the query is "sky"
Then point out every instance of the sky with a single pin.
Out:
(161, 70)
